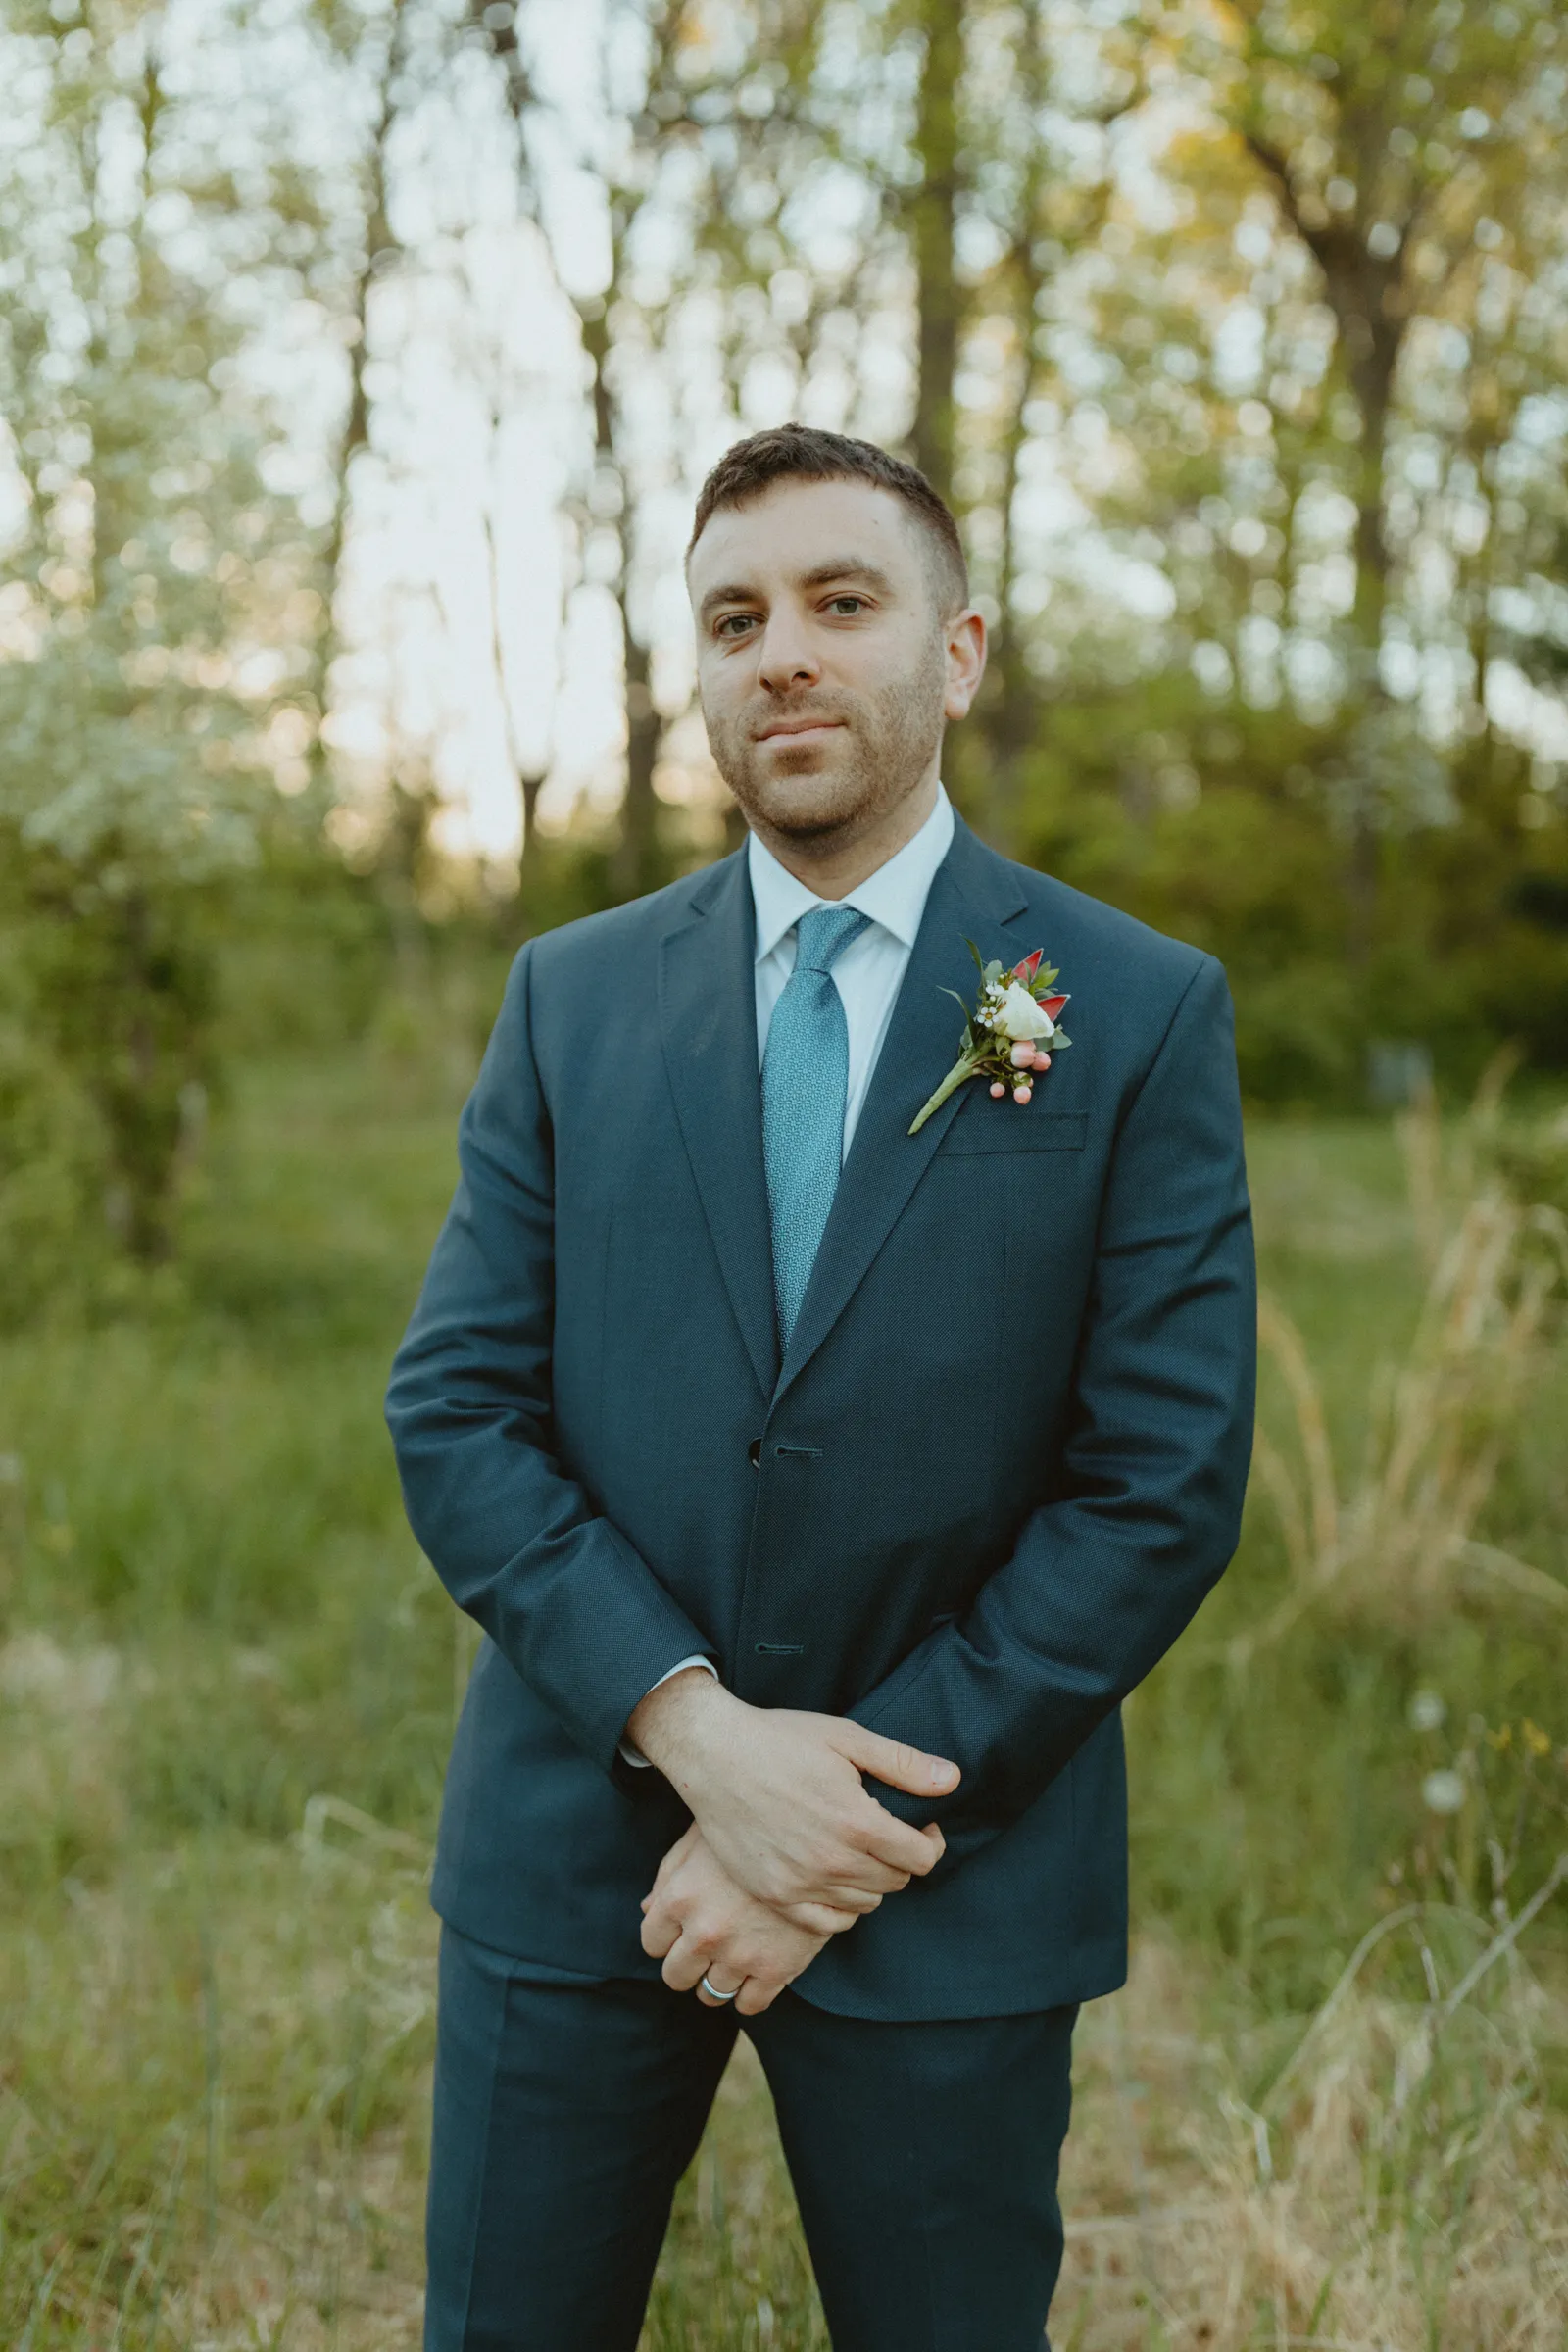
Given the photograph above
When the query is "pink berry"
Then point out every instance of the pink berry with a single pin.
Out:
(1023, 1054)
(999, 1090)
(1042, 1061)
(1021, 1094)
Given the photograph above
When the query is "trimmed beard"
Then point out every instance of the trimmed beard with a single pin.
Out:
(892, 733)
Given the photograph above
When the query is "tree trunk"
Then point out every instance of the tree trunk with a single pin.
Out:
(1367, 296)
(636, 866)
(379, 248)
(1372, 351)
(938, 297)
(1007, 713)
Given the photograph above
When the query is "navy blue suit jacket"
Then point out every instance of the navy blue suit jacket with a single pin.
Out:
(993, 1476)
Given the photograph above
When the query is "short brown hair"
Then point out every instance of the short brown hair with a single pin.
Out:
(802, 453)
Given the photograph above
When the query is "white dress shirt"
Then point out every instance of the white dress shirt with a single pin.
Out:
(867, 974)
(870, 968)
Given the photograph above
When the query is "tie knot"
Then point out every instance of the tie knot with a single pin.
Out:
(822, 936)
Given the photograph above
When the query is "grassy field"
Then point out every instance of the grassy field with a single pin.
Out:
(1331, 2109)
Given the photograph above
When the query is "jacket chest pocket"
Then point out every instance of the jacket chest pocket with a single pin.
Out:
(985, 1126)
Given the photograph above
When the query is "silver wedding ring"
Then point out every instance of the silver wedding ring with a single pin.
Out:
(714, 1995)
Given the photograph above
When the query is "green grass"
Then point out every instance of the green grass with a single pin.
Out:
(216, 1998)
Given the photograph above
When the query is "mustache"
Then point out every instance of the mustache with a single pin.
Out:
(796, 715)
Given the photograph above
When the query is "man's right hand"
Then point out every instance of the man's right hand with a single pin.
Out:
(698, 1922)
(779, 1799)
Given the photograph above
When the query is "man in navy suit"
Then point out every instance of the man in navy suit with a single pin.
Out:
(821, 1485)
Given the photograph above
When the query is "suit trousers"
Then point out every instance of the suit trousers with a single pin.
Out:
(924, 2155)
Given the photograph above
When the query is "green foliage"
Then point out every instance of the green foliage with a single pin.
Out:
(50, 1176)
(1320, 383)
(148, 610)
(204, 1470)
(305, 950)
(1532, 1159)
(212, 1614)
(1212, 824)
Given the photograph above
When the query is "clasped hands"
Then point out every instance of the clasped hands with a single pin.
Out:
(787, 1846)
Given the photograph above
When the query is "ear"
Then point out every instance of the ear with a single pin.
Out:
(964, 645)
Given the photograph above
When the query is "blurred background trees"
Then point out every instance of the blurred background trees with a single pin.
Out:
(359, 363)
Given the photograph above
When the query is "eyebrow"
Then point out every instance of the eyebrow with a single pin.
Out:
(837, 568)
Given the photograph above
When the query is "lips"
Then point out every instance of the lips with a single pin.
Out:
(798, 727)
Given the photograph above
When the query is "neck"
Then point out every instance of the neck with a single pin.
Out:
(832, 865)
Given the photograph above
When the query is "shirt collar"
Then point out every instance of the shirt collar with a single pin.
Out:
(895, 896)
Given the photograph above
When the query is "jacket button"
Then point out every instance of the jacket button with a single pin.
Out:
(754, 1453)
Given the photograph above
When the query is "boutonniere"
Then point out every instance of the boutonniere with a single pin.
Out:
(1006, 1034)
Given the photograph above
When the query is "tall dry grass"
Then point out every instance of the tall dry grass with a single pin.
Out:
(1396, 2187)
(1389, 1541)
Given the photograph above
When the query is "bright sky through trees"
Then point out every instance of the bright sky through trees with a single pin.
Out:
(478, 631)
(747, 176)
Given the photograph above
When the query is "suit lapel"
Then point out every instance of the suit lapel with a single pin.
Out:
(972, 896)
(707, 1016)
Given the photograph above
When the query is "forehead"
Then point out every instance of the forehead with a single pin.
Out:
(792, 527)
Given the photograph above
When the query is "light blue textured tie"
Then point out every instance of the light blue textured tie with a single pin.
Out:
(806, 1076)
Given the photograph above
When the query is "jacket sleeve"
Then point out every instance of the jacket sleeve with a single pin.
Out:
(516, 1541)
(1146, 1507)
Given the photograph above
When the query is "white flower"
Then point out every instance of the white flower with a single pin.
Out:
(1427, 1712)
(1442, 1791)
(1018, 1016)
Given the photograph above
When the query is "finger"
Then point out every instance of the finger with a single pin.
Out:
(684, 1964)
(842, 1895)
(691, 1949)
(819, 1918)
(660, 1934)
(895, 1843)
(866, 1881)
(758, 1994)
(899, 1765)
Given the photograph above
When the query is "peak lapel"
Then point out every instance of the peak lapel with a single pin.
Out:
(972, 896)
(707, 1017)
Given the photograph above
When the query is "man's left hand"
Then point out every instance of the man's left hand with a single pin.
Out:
(700, 1922)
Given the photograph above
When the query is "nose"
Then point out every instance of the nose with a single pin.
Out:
(786, 657)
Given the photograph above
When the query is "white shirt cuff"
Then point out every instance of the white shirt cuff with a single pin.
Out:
(627, 1751)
